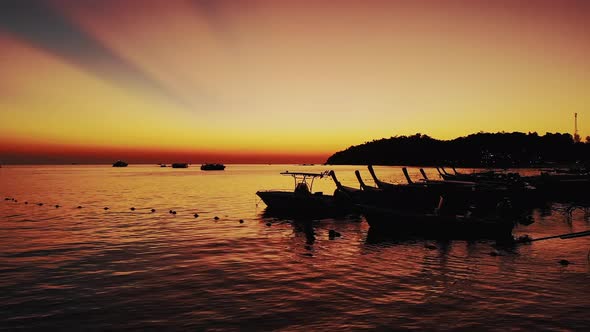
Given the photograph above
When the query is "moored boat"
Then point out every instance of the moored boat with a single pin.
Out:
(120, 163)
(180, 165)
(562, 187)
(212, 167)
(434, 225)
(302, 200)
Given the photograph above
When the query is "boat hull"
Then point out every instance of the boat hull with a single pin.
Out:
(562, 187)
(179, 165)
(212, 167)
(299, 204)
(120, 163)
(406, 223)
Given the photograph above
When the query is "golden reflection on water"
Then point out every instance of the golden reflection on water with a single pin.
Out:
(169, 270)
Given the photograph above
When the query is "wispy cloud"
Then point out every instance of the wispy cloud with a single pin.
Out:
(43, 26)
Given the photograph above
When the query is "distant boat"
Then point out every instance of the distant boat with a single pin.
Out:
(212, 167)
(180, 165)
(163, 165)
(120, 163)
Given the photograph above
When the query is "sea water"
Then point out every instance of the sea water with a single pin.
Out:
(72, 264)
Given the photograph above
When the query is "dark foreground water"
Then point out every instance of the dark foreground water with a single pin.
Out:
(87, 268)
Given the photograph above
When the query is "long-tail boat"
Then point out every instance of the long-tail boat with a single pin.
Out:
(436, 224)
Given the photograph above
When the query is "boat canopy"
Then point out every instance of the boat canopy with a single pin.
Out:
(304, 179)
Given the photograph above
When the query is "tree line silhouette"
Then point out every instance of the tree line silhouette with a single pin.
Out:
(501, 149)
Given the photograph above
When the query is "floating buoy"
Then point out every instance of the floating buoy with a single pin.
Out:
(79, 206)
(56, 206)
(173, 212)
(106, 208)
(216, 218)
(268, 224)
(15, 201)
(170, 211)
(241, 221)
(40, 204)
(153, 210)
(196, 215)
(564, 262)
(132, 209)
(332, 234)
(26, 202)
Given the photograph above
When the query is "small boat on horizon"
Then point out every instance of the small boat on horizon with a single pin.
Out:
(212, 167)
(120, 163)
(180, 165)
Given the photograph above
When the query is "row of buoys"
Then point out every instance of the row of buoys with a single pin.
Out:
(106, 208)
(332, 234)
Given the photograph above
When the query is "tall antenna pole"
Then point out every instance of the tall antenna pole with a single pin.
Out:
(576, 135)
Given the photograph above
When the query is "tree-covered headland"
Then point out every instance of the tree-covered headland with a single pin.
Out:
(476, 150)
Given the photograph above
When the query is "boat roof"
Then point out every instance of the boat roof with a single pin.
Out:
(326, 173)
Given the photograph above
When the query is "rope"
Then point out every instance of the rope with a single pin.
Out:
(132, 210)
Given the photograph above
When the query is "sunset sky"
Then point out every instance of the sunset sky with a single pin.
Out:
(280, 81)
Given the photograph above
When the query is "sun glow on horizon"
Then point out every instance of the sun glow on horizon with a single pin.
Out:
(275, 78)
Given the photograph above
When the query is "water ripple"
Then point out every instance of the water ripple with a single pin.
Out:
(84, 268)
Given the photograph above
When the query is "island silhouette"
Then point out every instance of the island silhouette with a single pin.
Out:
(500, 150)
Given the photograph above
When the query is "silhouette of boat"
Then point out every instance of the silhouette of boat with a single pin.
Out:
(436, 225)
(212, 167)
(561, 187)
(486, 177)
(302, 201)
(419, 209)
(120, 163)
(180, 165)
(419, 197)
(163, 165)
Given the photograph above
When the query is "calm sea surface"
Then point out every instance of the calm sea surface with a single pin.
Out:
(88, 268)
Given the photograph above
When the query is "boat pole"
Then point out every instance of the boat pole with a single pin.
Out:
(408, 179)
(563, 236)
(423, 174)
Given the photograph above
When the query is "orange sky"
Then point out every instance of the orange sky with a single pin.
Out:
(280, 81)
